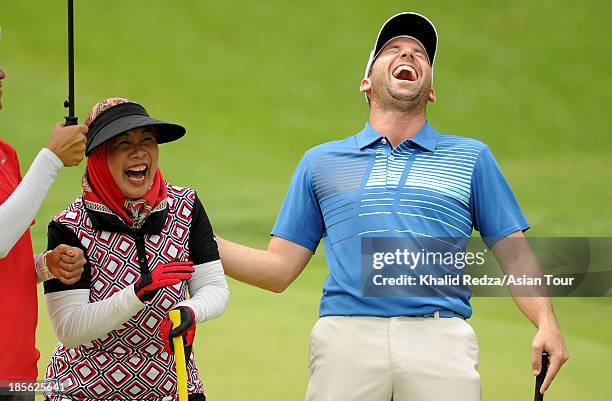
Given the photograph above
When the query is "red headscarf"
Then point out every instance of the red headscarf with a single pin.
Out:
(101, 193)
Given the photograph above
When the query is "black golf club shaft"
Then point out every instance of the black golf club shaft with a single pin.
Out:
(71, 118)
(540, 377)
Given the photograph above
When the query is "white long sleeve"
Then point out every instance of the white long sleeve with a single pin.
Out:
(208, 290)
(18, 211)
(77, 321)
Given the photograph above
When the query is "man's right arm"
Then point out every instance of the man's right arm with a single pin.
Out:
(295, 236)
(272, 269)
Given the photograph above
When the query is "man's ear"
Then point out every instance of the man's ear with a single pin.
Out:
(366, 86)
(432, 95)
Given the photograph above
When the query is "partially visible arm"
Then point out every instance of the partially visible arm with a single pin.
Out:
(272, 269)
(66, 147)
(515, 257)
(497, 216)
(19, 210)
(208, 290)
(77, 321)
(296, 235)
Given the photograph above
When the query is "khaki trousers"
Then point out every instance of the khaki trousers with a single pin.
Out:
(355, 358)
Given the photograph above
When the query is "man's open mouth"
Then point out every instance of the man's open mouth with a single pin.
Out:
(137, 174)
(405, 73)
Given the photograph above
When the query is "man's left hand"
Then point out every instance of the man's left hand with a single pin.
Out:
(549, 339)
(66, 263)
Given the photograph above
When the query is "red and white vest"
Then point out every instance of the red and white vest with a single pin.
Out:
(129, 363)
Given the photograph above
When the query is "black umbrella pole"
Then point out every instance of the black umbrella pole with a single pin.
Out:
(71, 118)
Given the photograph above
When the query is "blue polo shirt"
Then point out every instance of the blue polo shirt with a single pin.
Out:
(433, 184)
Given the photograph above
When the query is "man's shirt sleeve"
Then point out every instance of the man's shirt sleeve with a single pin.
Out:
(300, 220)
(495, 210)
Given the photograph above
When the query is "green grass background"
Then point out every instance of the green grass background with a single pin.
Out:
(258, 83)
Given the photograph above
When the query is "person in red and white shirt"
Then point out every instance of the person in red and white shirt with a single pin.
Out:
(20, 270)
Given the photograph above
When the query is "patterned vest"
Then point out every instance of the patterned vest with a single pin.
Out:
(128, 363)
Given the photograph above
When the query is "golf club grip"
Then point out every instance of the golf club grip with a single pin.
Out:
(540, 378)
(179, 357)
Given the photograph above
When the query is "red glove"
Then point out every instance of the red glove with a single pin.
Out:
(186, 329)
(162, 276)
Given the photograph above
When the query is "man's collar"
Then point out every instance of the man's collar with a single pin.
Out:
(426, 137)
(367, 136)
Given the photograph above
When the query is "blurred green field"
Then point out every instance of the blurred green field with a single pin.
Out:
(258, 83)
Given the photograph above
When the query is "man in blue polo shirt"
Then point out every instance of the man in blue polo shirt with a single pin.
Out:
(398, 177)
